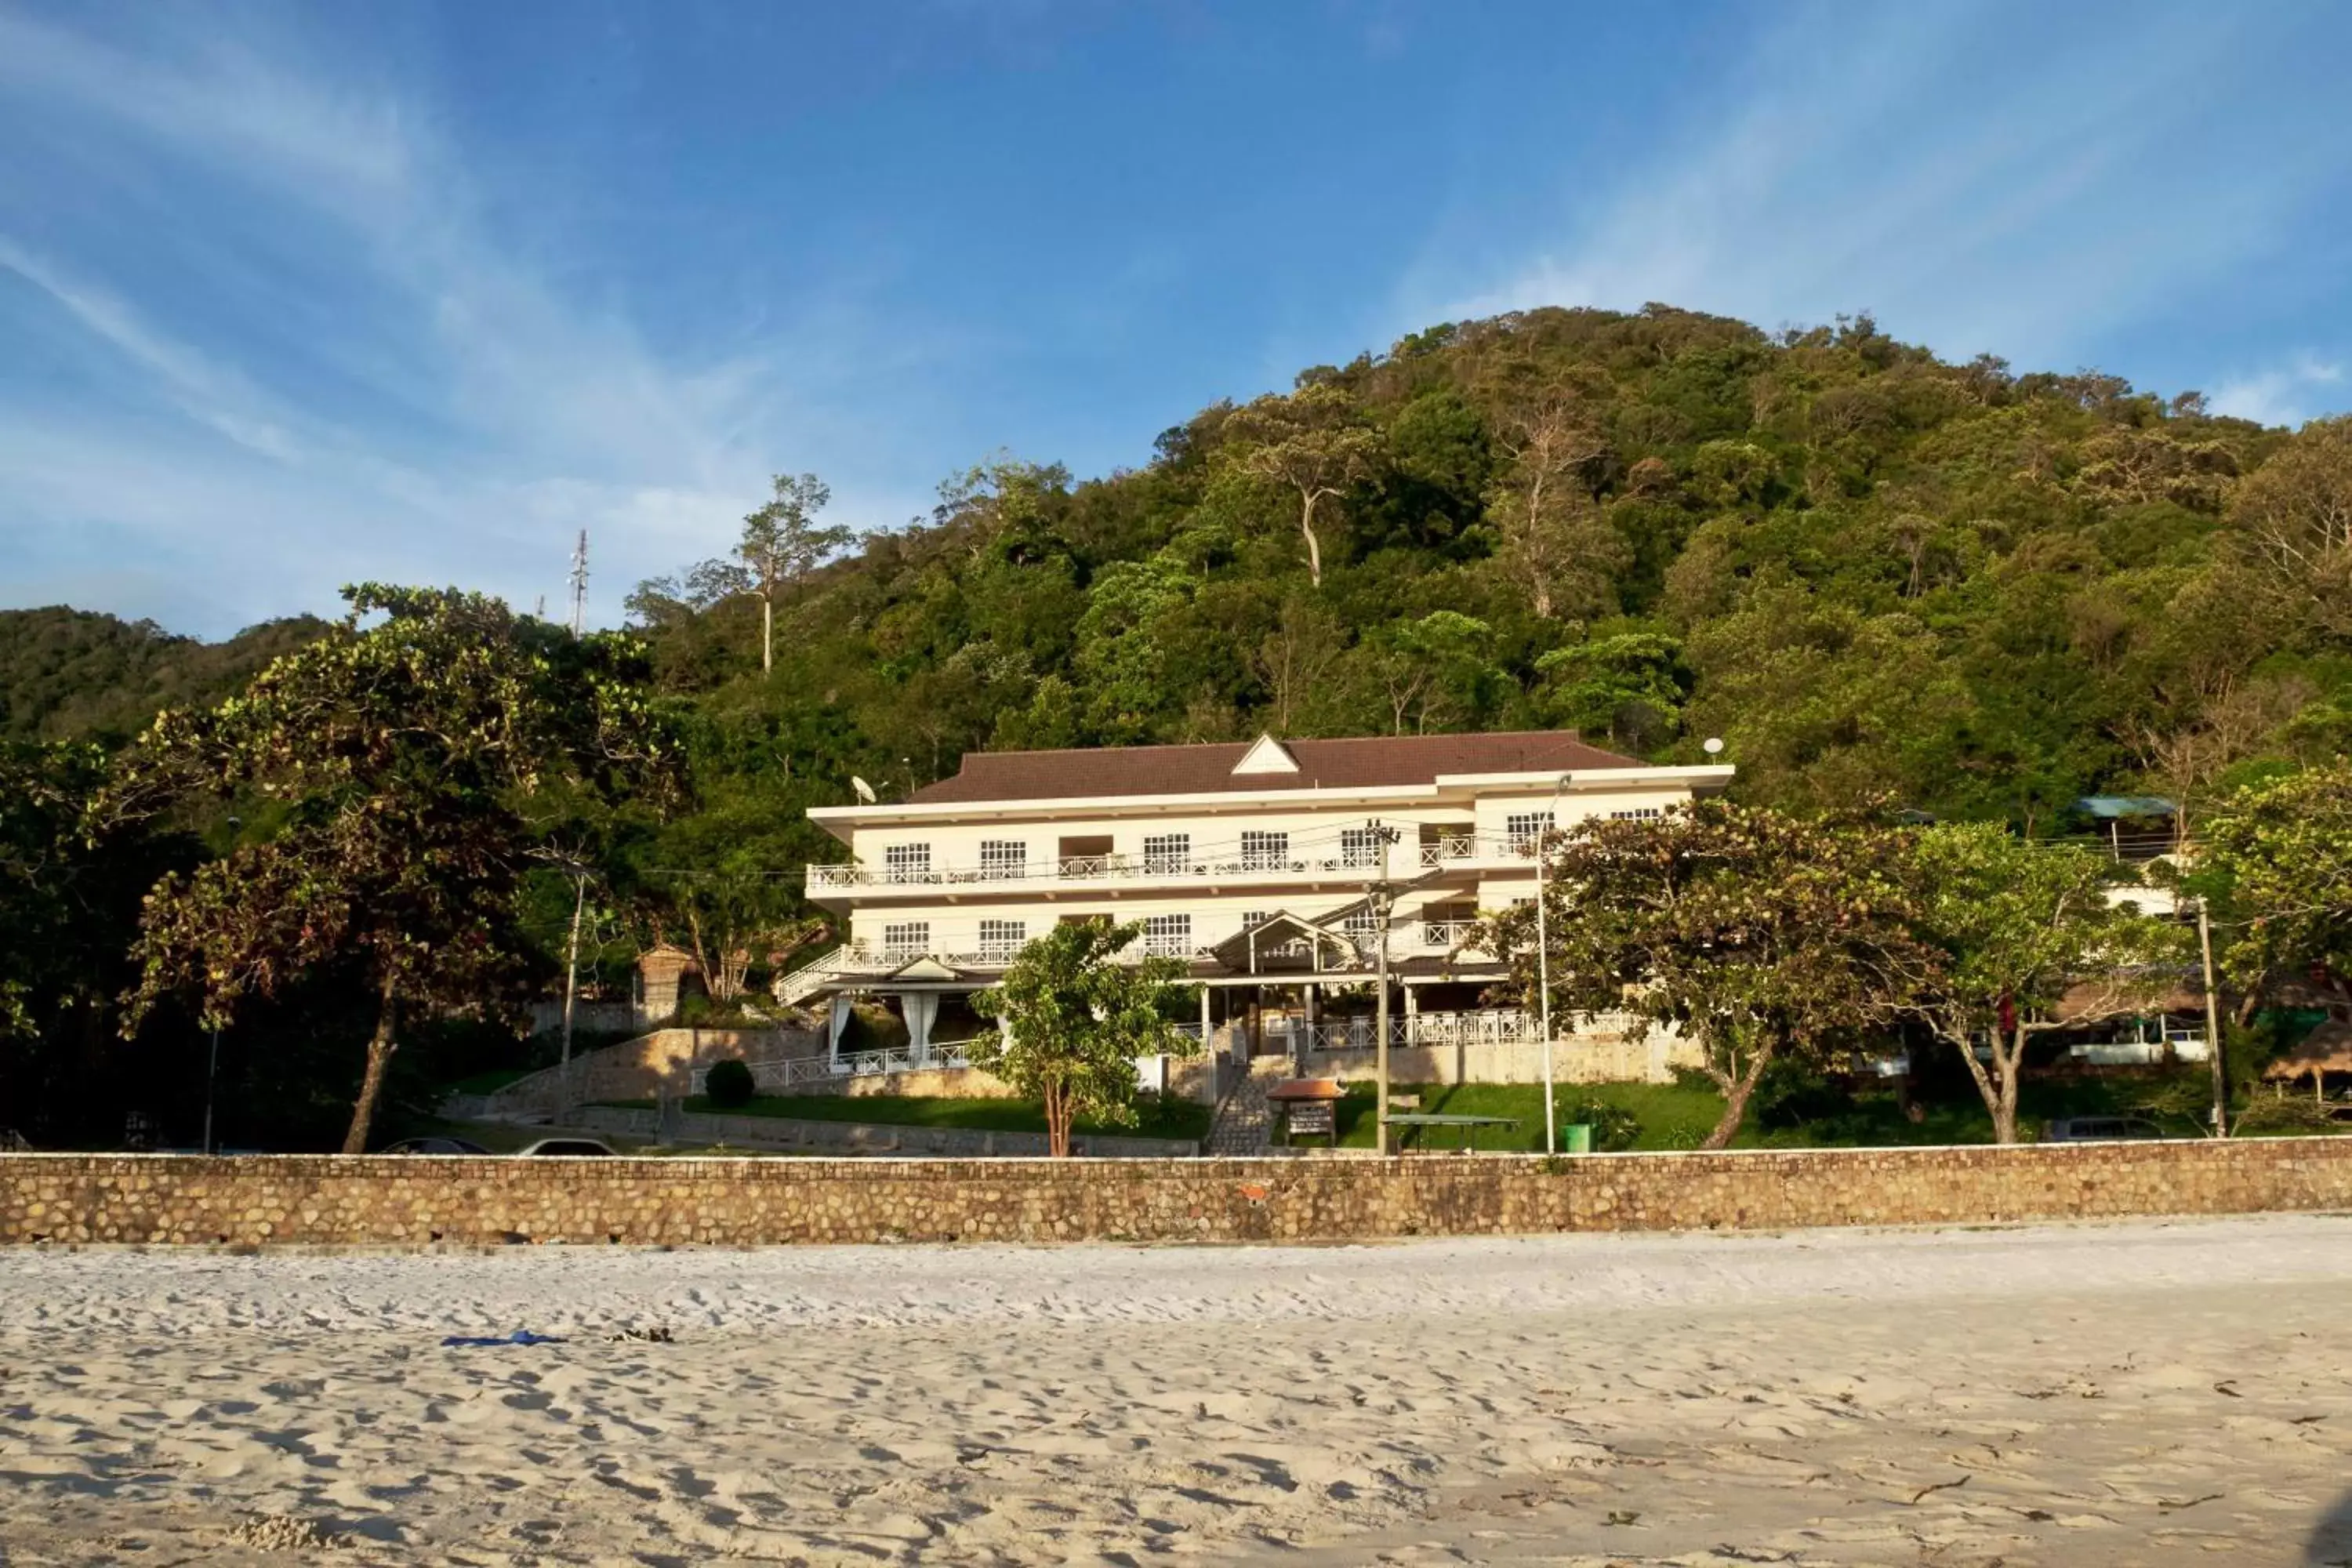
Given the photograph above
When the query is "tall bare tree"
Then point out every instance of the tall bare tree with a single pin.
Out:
(1313, 441)
(2295, 514)
(1556, 543)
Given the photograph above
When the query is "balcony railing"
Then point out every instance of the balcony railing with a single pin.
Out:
(1454, 849)
(1326, 857)
(1447, 935)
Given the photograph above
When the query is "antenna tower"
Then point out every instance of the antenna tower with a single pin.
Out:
(578, 581)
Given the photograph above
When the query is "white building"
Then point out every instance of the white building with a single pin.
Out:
(1255, 864)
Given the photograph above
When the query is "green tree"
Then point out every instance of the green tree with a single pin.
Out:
(1076, 1015)
(1756, 936)
(2030, 941)
(1629, 687)
(2275, 859)
(401, 764)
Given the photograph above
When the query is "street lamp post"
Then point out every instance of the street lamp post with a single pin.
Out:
(211, 1071)
(1380, 899)
(1543, 966)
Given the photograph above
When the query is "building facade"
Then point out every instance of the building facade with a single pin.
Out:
(1264, 867)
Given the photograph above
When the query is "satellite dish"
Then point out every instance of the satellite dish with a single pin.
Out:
(864, 791)
(1713, 746)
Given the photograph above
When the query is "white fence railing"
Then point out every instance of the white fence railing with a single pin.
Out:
(1321, 856)
(783, 1075)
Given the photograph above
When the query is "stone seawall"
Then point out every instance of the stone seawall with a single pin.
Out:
(374, 1201)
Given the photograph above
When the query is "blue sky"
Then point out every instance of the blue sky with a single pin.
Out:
(291, 296)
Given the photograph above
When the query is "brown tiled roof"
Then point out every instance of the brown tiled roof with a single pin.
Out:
(1362, 764)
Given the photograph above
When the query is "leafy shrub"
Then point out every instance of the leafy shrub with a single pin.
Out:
(729, 1084)
(1614, 1127)
(1794, 1094)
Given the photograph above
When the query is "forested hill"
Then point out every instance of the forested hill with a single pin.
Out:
(1872, 573)
(71, 674)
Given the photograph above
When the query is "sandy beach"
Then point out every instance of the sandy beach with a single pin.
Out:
(2146, 1392)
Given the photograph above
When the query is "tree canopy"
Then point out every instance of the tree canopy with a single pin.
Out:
(401, 772)
(1076, 1013)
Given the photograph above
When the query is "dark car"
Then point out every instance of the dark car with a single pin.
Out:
(566, 1148)
(2099, 1130)
(432, 1146)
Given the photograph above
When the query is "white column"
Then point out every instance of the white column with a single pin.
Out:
(839, 1022)
(921, 1008)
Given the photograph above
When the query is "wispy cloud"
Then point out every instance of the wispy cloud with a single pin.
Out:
(455, 413)
(2283, 395)
(1984, 179)
(209, 394)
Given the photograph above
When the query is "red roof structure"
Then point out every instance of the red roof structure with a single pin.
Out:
(1365, 762)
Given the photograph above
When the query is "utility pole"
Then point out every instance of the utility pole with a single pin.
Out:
(572, 964)
(578, 582)
(211, 1071)
(2213, 1027)
(1543, 965)
(1380, 899)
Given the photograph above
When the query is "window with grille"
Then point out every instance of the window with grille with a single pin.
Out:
(1524, 830)
(1638, 814)
(1001, 940)
(1255, 917)
(1165, 854)
(1359, 847)
(911, 939)
(1363, 928)
(907, 863)
(1004, 859)
(1168, 936)
(1263, 851)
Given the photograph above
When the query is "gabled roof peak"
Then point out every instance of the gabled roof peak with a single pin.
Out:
(1267, 756)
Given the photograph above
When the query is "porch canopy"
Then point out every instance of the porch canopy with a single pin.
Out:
(1285, 943)
(2326, 1049)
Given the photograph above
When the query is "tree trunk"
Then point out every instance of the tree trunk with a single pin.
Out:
(1736, 1095)
(379, 1049)
(1314, 547)
(767, 634)
(1058, 1123)
(2004, 1113)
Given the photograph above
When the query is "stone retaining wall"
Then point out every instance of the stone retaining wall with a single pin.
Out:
(375, 1201)
(1581, 1059)
(647, 1067)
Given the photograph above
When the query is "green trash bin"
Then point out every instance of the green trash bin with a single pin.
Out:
(1576, 1138)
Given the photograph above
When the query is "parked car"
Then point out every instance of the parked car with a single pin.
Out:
(2099, 1130)
(432, 1146)
(565, 1148)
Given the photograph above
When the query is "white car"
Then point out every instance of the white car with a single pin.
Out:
(565, 1148)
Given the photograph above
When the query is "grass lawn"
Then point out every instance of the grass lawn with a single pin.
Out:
(491, 1082)
(1180, 1119)
(1673, 1116)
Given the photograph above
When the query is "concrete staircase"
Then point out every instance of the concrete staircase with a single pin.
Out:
(1245, 1121)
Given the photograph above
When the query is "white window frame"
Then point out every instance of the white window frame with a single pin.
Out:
(1167, 854)
(1004, 859)
(907, 863)
(907, 940)
(1001, 940)
(1168, 936)
(1639, 814)
(1360, 847)
(1524, 832)
(1264, 849)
